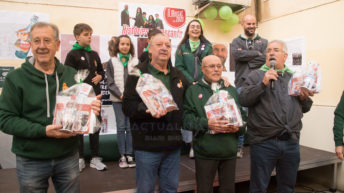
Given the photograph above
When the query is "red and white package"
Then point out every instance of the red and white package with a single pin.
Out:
(154, 94)
(73, 109)
(222, 105)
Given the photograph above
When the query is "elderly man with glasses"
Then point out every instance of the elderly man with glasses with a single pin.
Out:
(213, 152)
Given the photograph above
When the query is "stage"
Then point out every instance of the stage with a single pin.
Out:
(116, 180)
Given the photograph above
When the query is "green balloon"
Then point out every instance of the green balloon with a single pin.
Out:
(201, 21)
(210, 13)
(225, 26)
(234, 19)
(225, 12)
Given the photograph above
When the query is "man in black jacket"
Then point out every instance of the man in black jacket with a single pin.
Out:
(125, 16)
(274, 121)
(156, 139)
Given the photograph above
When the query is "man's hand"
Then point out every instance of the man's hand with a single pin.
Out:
(159, 114)
(218, 125)
(226, 81)
(270, 75)
(97, 78)
(54, 131)
(96, 104)
(339, 152)
(304, 93)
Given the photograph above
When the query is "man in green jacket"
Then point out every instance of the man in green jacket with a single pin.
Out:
(27, 105)
(338, 128)
(213, 152)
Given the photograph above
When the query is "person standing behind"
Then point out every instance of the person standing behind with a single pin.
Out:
(156, 139)
(213, 152)
(338, 128)
(191, 50)
(274, 121)
(27, 104)
(158, 21)
(117, 70)
(248, 50)
(145, 55)
(83, 58)
(125, 16)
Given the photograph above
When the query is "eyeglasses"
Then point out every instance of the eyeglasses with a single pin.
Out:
(213, 66)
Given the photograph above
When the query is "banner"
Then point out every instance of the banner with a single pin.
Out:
(136, 19)
(14, 33)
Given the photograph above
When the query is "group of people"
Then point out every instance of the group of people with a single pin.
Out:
(141, 19)
(152, 143)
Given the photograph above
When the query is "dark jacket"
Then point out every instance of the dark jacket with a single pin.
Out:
(79, 61)
(27, 104)
(159, 24)
(139, 20)
(148, 133)
(185, 59)
(124, 18)
(209, 146)
(248, 57)
(339, 122)
(271, 112)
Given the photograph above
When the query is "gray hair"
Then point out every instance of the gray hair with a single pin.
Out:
(45, 24)
(284, 45)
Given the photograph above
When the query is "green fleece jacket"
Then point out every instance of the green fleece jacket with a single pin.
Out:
(208, 146)
(339, 122)
(27, 105)
(185, 59)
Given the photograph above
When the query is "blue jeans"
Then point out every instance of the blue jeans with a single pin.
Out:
(124, 140)
(33, 174)
(241, 137)
(165, 165)
(265, 156)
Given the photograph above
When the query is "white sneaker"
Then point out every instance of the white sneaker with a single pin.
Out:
(97, 163)
(240, 152)
(81, 164)
(130, 161)
(191, 153)
(123, 162)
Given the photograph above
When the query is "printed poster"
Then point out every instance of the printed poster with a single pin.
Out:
(14, 33)
(136, 19)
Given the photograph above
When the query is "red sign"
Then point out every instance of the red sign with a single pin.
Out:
(174, 17)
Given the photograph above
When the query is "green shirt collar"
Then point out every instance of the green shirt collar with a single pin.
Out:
(194, 44)
(285, 69)
(77, 46)
(155, 71)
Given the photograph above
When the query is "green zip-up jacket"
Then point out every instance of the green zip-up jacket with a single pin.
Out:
(339, 122)
(208, 146)
(185, 59)
(27, 105)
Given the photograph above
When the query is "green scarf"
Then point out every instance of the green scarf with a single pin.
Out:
(124, 59)
(146, 49)
(144, 18)
(285, 69)
(127, 11)
(76, 46)
(150, 21)
(157, 20)
(194, 44)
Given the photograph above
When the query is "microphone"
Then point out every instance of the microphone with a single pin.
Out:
(272, 65)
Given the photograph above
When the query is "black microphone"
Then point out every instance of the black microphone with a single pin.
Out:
(272, 65)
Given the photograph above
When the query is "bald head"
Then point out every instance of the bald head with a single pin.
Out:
(249, 24)
(212, 68)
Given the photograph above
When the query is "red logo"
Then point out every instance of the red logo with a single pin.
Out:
(174, 17)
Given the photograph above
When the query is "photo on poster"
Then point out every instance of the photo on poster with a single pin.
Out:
(296, 53)
(14, 33)
(222, 50)
(137, 19)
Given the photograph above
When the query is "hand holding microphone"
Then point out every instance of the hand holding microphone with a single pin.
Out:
(271, 75)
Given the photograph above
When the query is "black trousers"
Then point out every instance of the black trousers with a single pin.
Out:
(94, 144)
(206, 171)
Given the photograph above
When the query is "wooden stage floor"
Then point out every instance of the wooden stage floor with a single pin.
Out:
(116, 180)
